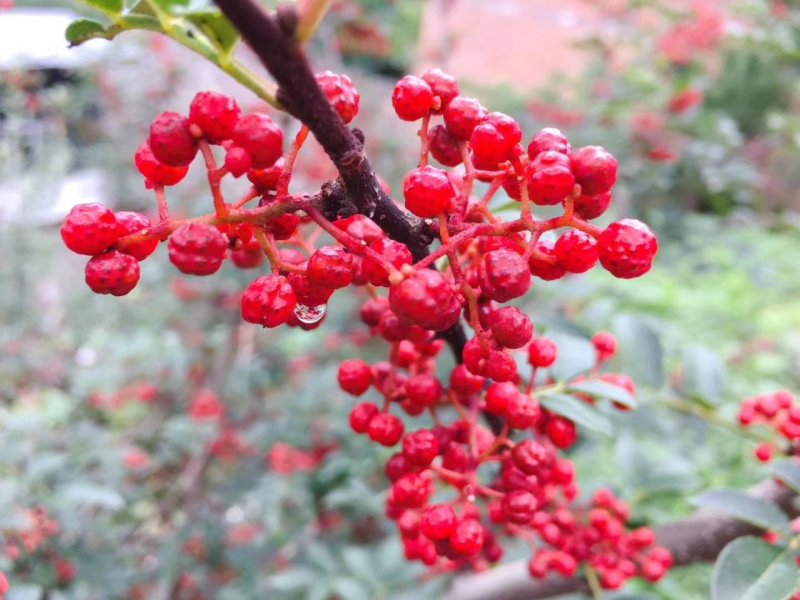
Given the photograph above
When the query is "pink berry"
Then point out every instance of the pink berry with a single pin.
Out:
(428, 192)
(511, 327)
(443, 85)
(503, 275)
(627, 248)
(331, 267)
(549, 139)
(543, 263)
(341, 93)
(171, 141)
(259, 136)
(237, 161)
(112, 273)
(385, 429)
(268, 301)
(215, 114)
(132, 222)
(90, 229)
(542, 352)
(576, 251)
(197, 249)
(462, 115)
(156, 171)
(549, 178)
(412, 98)
(355, 376)
(595, 170)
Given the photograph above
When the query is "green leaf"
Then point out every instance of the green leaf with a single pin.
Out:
(110, 7)
(169, 6)
(703, 373)
(83, 30)
(575, 356)
(218, 29)
(90, 494)
(578, 411)
(745, 507)
(292, 579)
(640, 350)
(603, 389)
(751, 569)
(788, 471)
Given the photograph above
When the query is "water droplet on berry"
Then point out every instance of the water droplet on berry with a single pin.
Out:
(310, 314)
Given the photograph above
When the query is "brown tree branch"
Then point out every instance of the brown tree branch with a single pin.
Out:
(697, 539)
(273, 37)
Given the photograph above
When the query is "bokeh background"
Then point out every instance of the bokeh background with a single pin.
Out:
(115, 482)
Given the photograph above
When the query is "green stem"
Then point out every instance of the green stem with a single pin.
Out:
(313, 13)
(594, 583)
(713, 418)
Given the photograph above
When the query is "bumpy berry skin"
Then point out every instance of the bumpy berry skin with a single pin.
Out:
(549, 178)
(396, 253)
(543, 269)
(156, 171)
(519, 506)
(354, 376)
(330, 266)
(268, 301)
(444, 147)
(542, 352)
(591, 207)
(595, 170)
(361, 416)
(90, 229)
(341, 93)
(498, 397)
(549, 139)
(511, 327)
(576, 251)
(507, 126)
(443, 85)
(503, 275)
(522, 412)
(112, 273)
(561, 432)
(412, 98)
(266, 180)
(530, 457)
(424, 298)
(467, 537)
(385, 429)
(605, 344)
(130, 222)
(171, 141)
(627, 248)
(238, 161)
(420, 448)
(197, 249)
(249, 256)
(489, 146)
(438, 522)
(462, 115)
(260, 137)
(428, 192)
(215, 114)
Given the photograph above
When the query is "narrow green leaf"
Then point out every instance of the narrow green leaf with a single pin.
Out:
(751, 569)
(788, 471)
(603, 389)
(703, 373)
(110, 7)
(219, 30)
(577, 411)
(745, 507)
(83, 30)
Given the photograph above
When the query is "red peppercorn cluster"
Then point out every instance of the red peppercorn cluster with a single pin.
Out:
(510, 479)
(779, 411)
